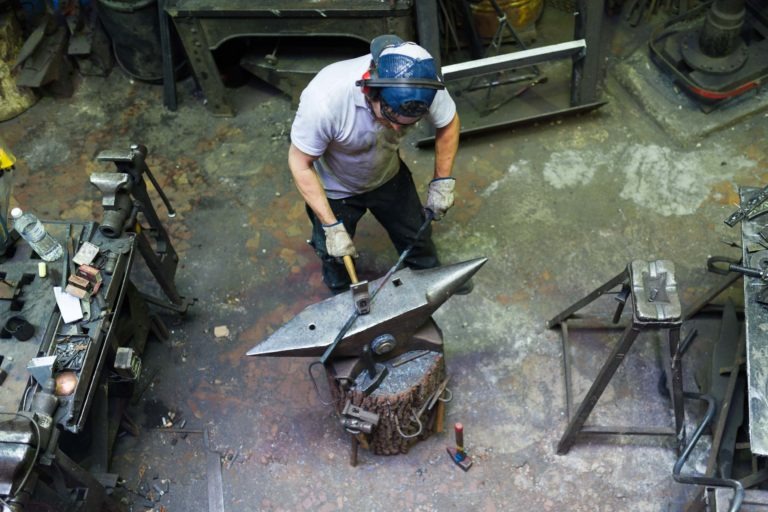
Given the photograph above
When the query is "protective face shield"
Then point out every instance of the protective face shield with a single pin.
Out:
(403, 78)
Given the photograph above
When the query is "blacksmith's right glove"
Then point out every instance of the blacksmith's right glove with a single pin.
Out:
(337, 241)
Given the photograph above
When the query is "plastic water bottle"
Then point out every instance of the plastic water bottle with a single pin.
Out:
(33, 231)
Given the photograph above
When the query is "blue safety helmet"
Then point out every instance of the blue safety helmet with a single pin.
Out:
(395, 59)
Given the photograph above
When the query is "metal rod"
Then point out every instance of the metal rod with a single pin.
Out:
(738, 489)
(630, 431)
(513, 60)
(566, 368)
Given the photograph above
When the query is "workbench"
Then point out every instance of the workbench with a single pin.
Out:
(204, 26)
(114, 316)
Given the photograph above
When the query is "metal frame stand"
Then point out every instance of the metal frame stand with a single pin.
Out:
(503, 77)
(655, 307)
(586, 71)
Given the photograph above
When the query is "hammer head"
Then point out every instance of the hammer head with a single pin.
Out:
(461, 459)
(361, 297)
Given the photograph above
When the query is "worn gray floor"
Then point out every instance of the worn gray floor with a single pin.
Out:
(558, 208)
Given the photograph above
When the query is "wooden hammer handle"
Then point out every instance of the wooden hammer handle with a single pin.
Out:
(350, 265)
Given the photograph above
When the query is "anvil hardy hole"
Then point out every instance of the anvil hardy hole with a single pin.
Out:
(312, 327)
(397, 282)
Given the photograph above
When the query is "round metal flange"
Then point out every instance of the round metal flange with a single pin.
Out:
(698, 60)
(383, 344)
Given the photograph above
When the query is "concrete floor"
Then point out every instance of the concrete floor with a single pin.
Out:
(558, 209)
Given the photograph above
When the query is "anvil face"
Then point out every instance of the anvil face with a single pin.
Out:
(401, 306)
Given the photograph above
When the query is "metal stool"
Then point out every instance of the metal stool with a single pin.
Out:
(655, 306)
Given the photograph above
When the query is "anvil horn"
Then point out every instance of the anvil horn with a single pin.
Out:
(401, 306)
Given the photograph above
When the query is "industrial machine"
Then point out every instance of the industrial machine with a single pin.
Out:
(717, 51)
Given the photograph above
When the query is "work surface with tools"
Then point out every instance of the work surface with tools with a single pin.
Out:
(558, 208)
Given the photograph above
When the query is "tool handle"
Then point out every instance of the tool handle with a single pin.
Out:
(350, 265)
(458, 430)
(751, 272)
(721, 264)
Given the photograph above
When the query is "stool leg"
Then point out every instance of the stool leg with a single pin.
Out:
(598, 386)
(676, 370)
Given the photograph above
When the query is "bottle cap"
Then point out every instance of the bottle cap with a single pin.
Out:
(16, 213)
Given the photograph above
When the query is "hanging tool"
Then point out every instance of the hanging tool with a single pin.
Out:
(357, 420)
(360, 295)
(428, 405)
(732, 265)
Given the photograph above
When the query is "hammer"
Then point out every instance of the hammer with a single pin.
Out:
(360, 294)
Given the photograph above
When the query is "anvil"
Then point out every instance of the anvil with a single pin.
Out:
(402, 305)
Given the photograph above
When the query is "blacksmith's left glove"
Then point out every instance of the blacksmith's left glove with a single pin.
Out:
(440, 196)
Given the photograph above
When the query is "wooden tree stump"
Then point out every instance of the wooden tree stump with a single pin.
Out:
(405, 391)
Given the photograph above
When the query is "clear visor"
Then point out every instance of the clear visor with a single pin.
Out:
(403, 120)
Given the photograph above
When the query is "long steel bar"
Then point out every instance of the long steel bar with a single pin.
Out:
(566, 368)
(587, 71)
(214, 477)
(543, 116)
(514, 60)
(615, 430)
(729, 329)
(676, 379)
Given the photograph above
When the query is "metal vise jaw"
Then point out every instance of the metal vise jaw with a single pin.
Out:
(109, 183)
(114, 188)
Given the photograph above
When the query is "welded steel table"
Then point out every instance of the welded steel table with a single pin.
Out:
(755, 255)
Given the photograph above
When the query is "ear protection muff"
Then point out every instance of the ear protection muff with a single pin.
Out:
(363, 82)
